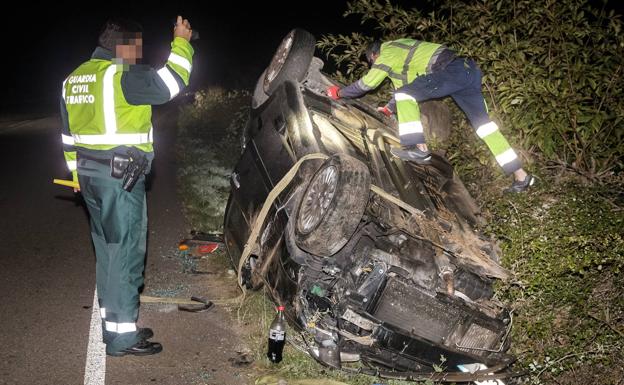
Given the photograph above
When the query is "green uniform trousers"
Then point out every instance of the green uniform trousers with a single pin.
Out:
(119, 230)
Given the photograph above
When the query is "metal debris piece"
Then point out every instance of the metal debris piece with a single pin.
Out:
(196, 308)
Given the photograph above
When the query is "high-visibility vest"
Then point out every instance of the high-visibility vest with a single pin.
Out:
(100, 118)
(402, 61)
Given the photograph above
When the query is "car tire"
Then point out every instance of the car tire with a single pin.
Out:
(290, 61)
(332, 205)
(259, 96)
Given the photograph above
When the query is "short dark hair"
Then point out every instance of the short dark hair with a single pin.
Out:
(373, 48)
(116, 30)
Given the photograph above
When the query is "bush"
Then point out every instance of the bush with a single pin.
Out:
(553, 75)
(553, 70)
(564, 244)
(208, 147)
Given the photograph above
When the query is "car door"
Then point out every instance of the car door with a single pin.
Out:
(266, 158)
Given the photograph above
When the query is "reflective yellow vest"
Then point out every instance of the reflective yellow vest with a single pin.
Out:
(98, 116)
(402, 61)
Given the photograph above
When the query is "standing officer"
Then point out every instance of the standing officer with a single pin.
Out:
(421, 71)
(107, 140)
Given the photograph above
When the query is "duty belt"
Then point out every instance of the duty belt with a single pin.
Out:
(105, 161)
(129, 167)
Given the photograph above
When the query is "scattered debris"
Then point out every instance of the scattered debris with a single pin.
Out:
(201, 244)
(243, 358)
(201, 304)
(188, 262)
(208, 248)
(198, 249)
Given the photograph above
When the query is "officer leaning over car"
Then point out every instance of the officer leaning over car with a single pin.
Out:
(421, 71)
(107, 141)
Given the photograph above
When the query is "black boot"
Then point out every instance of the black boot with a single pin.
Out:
(519, 186)
(141, 348)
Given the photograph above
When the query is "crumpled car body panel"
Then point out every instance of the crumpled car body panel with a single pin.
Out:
(412, 283)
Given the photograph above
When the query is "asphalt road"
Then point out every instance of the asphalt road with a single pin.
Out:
(47, 274)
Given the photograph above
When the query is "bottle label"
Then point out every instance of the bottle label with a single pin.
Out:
(276, 335)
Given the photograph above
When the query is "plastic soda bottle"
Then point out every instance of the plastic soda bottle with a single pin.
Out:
(277, 336)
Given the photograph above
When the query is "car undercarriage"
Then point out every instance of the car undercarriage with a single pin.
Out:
(378, 261)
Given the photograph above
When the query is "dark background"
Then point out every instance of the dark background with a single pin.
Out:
(44, 42)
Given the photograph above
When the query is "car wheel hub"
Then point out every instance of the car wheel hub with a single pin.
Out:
(279, 59)
(317, 199)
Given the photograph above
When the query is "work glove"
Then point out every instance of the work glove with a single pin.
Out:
(333, 92)
(385, 110)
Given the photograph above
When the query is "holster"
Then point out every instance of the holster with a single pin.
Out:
(130, 167)
(119, 165)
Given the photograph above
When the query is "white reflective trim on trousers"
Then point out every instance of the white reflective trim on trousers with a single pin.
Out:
(110, 118)
(506, 157)
(181, 61)
(400, 96)
(170, 81)
(410, 128)
(68, 139)
(102, 312)
(122, 327)
(487, 129)
(114, 139)
(72, 165)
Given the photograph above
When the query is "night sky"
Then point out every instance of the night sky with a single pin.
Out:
(44, 43)
(237, 40)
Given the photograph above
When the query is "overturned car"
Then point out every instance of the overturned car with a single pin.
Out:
(377, 260)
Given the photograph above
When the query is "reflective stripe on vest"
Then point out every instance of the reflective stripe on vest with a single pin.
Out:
(95, 122)
(115, 138)
(417, 59)
(391, 74)
(181, 61)
(110, 118)
(170, 81)
(408, 60)
(69, 140)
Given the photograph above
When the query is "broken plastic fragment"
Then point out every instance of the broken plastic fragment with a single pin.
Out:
(208, 248)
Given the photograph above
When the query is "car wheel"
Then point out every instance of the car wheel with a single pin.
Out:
(259, 96)
(332, 205)
(290, 61)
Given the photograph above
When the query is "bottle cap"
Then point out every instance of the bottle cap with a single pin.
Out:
(280, 308)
